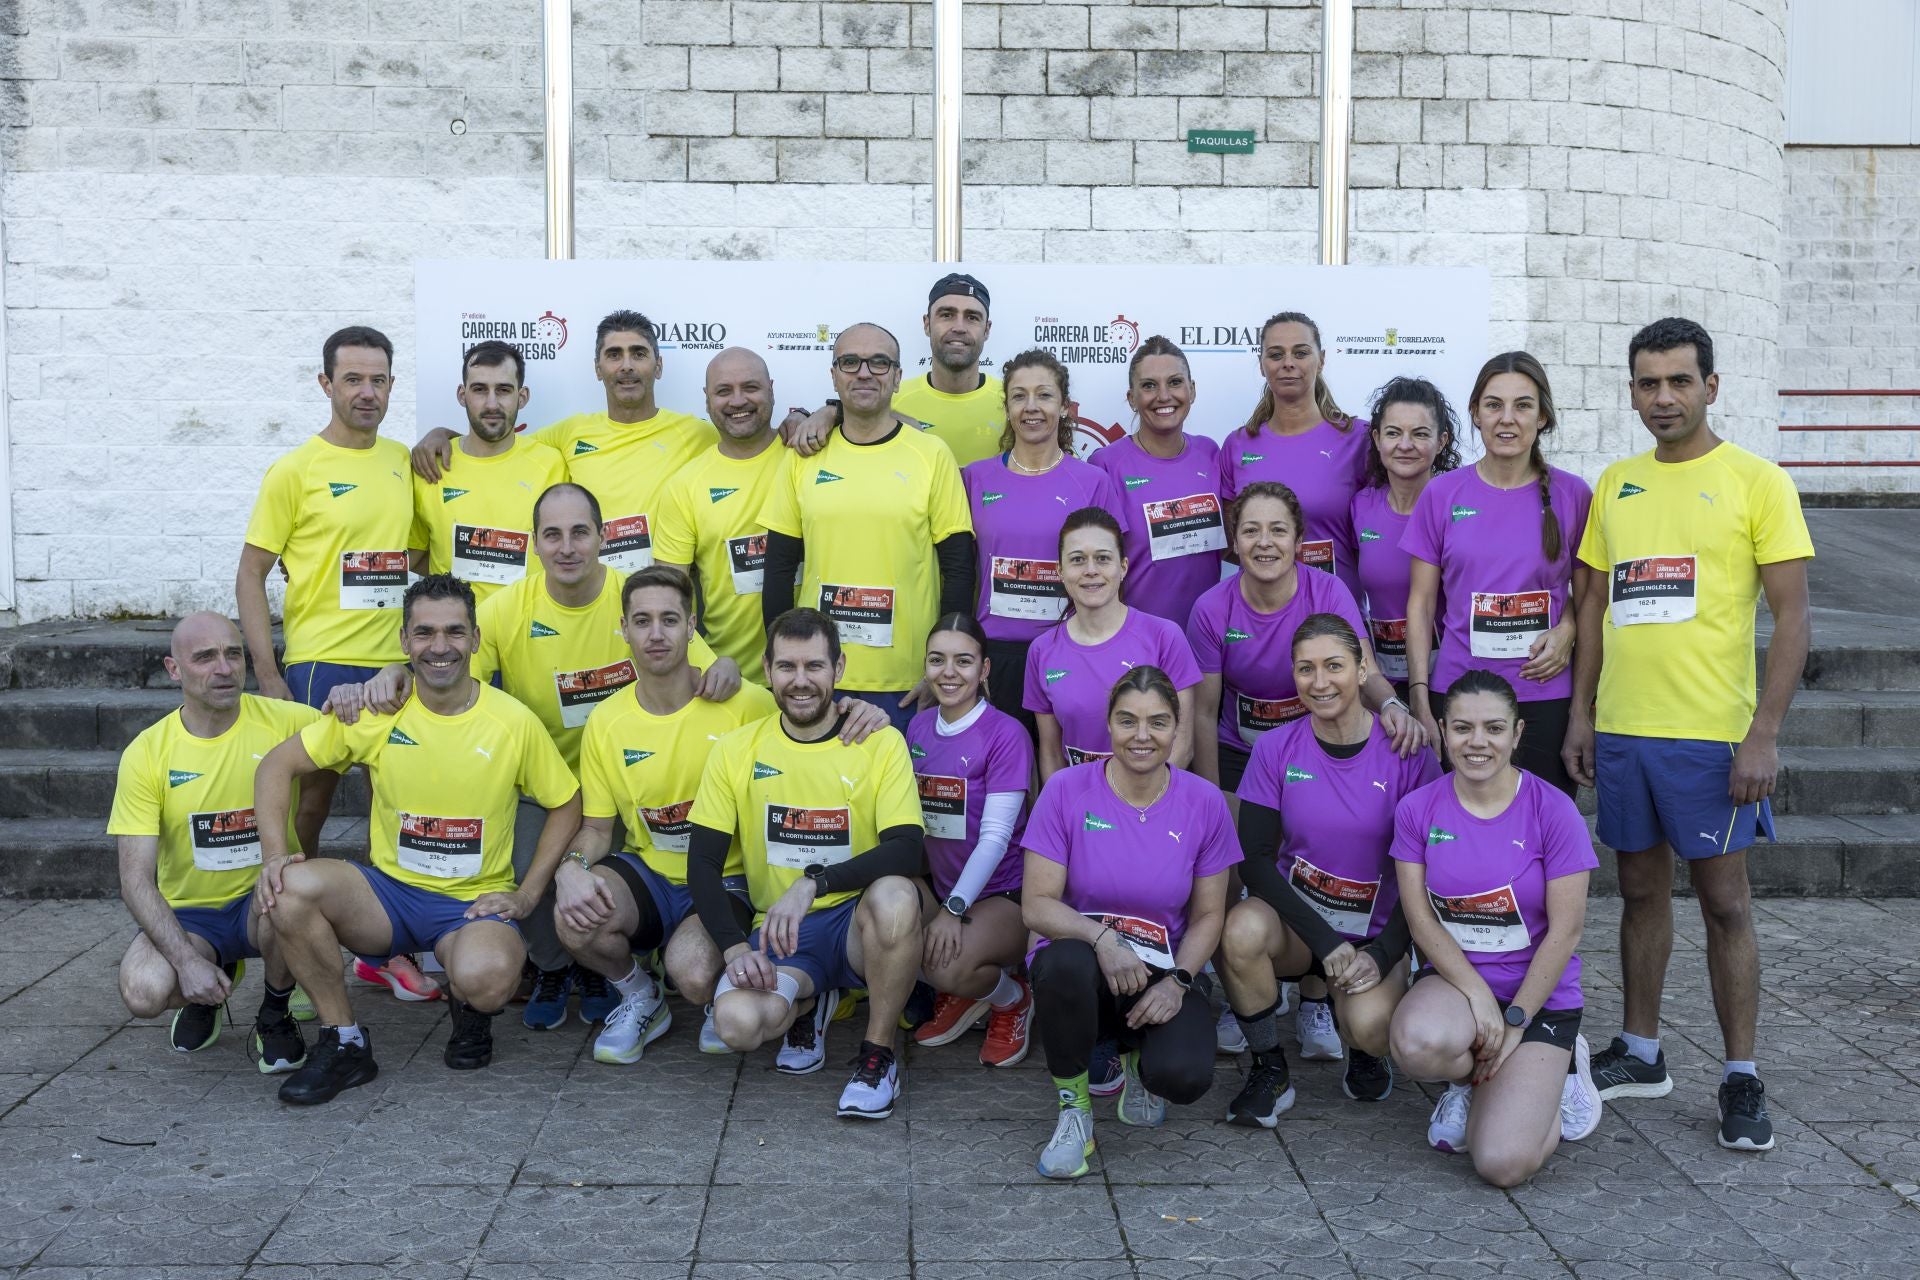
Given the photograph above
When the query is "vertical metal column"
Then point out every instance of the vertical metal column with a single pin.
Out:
(1336, 126)
(557, 93)
(946, 130)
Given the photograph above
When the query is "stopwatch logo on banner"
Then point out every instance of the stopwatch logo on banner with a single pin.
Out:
(539, 339)
(1113, 342)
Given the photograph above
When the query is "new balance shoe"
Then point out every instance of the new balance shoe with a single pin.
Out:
(1368, 1079)
(470, 1042)
(1267, 1093)
(278, 1046)
(331, 1067)
(1744, 1125)
(1618, 1074)
(710, 1041)
(873, 1087)
(1008, 1031)
(1447, 1130)
(1105, 1075)
(635, 1023)
(1579, 1099)
(401, 976)
(547, 1006)
(953, 1017)
(805, 1050)
(1139, 1105)
(1319, 1040)
(598, 998)
(1065, 1155)
(1228, 1038)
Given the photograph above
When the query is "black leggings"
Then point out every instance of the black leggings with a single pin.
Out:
(1073, 1008)
(1539, 749)
(1007, 679)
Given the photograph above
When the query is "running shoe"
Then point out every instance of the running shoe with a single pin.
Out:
(598, 998)
(1319, 1040)
(805, 1050)
(1744, 1125)
(300, 1005)
(635, 1023)
(547, 1006)
(1228, 1038)
(1447, 1130)
(1105, 1075)
(710, 1041)
(1007, 1031)
(953, 1017)
(919, 1007)
(1289, 993)
(470, 1042)
(1368, 1079)
(874, 1086)
(1267, 1093)
(1139, 1106)
(1618, 1074)
(330, 1068)
(399, 975)
(196, 1027)
(1579, 1100)
(1065, 1155)
(278, 1046)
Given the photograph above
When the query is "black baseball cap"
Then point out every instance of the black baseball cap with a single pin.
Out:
(965, 285)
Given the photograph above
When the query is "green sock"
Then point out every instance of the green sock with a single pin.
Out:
(1073, 1092)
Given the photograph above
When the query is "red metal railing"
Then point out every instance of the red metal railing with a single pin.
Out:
(1905, 427)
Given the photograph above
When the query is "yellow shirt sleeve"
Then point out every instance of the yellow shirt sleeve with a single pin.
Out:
(136, 794)
(420, 535)
(599, 795)
(715, 805)
(1779, 527)
(947, 511)
(270, 527)
(1593, 540)
(676, 538)
(700, 654)
(492, 618)
(896, 795)
(782, 512)
(544, 776)
(332, 745)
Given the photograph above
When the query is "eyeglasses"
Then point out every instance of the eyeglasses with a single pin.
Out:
(851, 363)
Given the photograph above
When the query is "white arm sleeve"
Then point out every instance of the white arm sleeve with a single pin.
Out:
(997, 816)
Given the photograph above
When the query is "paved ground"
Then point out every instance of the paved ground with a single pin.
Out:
(118, 1159)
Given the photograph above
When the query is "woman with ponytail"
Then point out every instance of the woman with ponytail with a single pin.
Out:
(1495, 541)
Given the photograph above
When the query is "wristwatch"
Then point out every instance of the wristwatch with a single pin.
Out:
(956, 906)
(1516, 1016)
(1184, 978)
(817, 872)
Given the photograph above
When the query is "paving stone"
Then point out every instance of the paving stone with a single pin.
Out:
(1025, 1223)
(806, 1223)
(1191, 1223)
(350, 1271)
(1428, 1217)
(806, 1271)
(590, 1224)
(372, 1225)
(541, 1269)
(789, 1150)
(132, 1228)
(1862, 1227)
(1334, 1267)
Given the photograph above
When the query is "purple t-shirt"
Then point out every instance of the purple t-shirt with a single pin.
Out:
(1487, 877)
(1070, 681)
(1253, 652)
(1137, 869)
(955, 775)
(1498, 591)
(1324, 467)
(1176, 523)
(1016, 531)
(1384, 570)
(1336, 820)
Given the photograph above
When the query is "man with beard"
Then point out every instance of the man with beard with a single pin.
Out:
(959, 403)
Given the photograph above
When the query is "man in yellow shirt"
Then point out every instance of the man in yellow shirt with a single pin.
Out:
(448, 771)
(476, 522)
(831, 839)
(183, 814)
(1683, 539)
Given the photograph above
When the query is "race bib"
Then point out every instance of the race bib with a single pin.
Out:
(629, 543)
(798, 838)
(1488, 922)
(747, 558)
(1346, 905)
(863, 614)
(943, 806)
(372, 579)
(445, 848)
(1389, 637)
(1076, 756)
(489, 555)
(1317, 554)
(225, 841)
(1026, 589)
(670, 826)
(1656, 589)
(581, 691)
(1506, 625)
(1184, 526)
(1148, 939)
(1255, 716)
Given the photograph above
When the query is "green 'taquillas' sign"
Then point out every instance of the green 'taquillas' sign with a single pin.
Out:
(1221, 142)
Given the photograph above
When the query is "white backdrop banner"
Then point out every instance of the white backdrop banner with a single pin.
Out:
(1375, 322)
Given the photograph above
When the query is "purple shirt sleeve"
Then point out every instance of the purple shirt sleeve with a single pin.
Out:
(1176, 657)
(1225, 481)
(1568, 848)
(1033, 692)
(1409, 829)
(1106, 496)
(1203, 634)
(1261, 783)
(1426, 528)
(1046, 832)
(1009, 760)
(1572, 506)
(1222, 847)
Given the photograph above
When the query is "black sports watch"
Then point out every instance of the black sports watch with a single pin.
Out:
(1184, 978)
(817, 872)
(956, 906)
(1516, 1016)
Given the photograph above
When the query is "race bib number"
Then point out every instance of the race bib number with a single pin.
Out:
(670, 827)
(747, 558)
(798, 838)
(863, 614)
(1487, 922)
(1317, 554)
(1148, 939)
(1076, 756)
(1346, 905)
(372, 579)
(581, 691)
(1185, 526)
(489, 555)
(445, 848)
(629, 543)
(1506, 625)
(225, 841)
(1656, 589)
(1389, 637)
(1026, 589)
(1255, 716)
(943, 806)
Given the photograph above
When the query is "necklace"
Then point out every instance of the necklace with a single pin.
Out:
(1166, 780)
(1014, 464)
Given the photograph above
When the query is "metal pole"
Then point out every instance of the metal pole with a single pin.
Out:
(1336, 126)
(946, 130)
(557, 91)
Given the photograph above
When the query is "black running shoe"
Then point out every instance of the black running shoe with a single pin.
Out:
(330, 1068)
(1618, 1074)
(470, 1046)
(196, 1027)
(1368, 1079)
(1743, 1114)
(919, 1007)
(1268, 1092)
(278, 1046)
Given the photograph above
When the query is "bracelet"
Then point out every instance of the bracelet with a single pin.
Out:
(1419, 684)
(1103, 933)
(574, 855)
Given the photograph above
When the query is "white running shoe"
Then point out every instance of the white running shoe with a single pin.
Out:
(1228, 1038)
(1447, 1130)
(635, 1023)
(873, 1087)
(710, 1041)
(1289, 996)
(805, 1050)
(1319, 1041)
(1579, 1098)
(1139, 1105)
(1065, 1155)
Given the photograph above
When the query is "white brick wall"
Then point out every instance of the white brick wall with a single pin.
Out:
(197, 191)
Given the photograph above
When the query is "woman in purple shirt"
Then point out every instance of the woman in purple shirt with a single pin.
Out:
(1493, 868)
(973, 765)
(1496, 542)
(1126, 885)
(1018, 500)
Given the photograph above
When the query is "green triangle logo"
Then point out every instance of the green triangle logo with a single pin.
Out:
(1297, 774)
(1628, 490)
(1248, 459)
(339, 489)
(988, 499)
(395, 738)
(716, 495)
(1369, 535)
(1056, 673)
(1094, 822)
(1134, 482)
(1235, 635)
(180, 777)
(448, 495)
(540, 630)
(917, 752)
(762, 770)
(1462, 513)
(823, 476)
(1439, 835)
(581, 446)
(635, 757)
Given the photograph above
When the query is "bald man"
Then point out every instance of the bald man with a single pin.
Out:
(190, 853)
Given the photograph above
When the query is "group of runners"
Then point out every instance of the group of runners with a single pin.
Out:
(899, 702)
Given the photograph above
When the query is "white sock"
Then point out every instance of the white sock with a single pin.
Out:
(1008, 993)
(1645, 1048)
(1734, 1067)
(638, 982)
(351, 1034)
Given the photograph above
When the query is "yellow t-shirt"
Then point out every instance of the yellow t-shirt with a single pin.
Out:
(1680, 546)
(627, 465)
(792, 804)
(339, 520)
(446, 788)
(196, 795)
(870, 515)
(644, 769)
(710, 519)
(561, 662)
(476, 521)
(971, 424)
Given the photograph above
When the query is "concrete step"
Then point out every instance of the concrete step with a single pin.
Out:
(1848, 781)
(80, 719)
(1829, 718)
(71, 858)
(37, 783)
(1869, 856)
